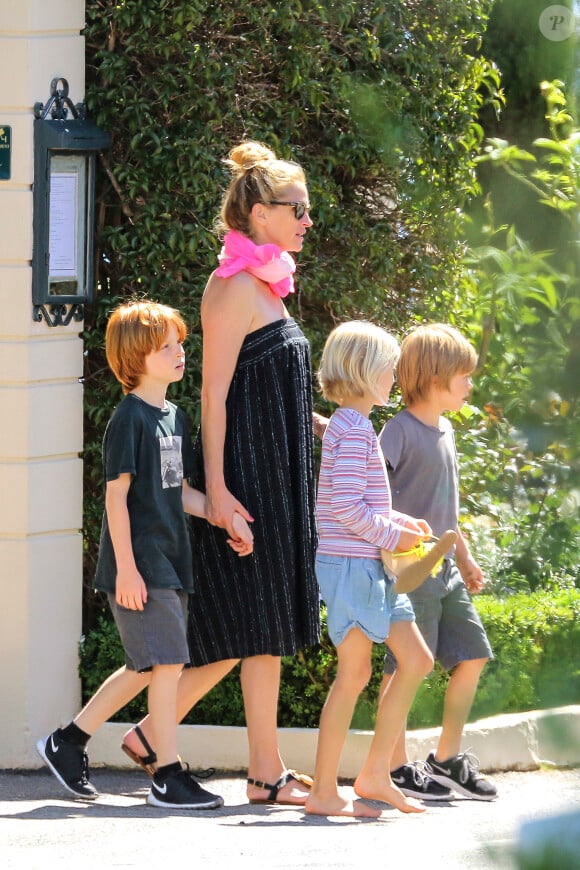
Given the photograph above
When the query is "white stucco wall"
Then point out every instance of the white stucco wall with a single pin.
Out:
(41, 436)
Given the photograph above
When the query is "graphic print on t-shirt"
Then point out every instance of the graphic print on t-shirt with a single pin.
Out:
(171, 461)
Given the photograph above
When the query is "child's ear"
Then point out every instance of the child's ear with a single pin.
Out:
(435, 385)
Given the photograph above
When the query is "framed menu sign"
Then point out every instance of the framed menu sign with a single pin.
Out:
(67, 225)
(63, 202)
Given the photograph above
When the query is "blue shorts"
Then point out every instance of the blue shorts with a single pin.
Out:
(448, 621)
(156, 635)
(358, 594)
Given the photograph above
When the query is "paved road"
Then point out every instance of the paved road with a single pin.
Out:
(40, 827)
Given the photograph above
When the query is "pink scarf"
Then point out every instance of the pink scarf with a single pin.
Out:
(266, 262)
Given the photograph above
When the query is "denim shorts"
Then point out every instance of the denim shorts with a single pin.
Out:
(358, 594)
(448, 621)
(156, 635)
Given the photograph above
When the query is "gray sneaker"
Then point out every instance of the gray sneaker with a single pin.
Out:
(461, 773)
(414, 781)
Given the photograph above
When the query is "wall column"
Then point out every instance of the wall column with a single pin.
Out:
(41, 400)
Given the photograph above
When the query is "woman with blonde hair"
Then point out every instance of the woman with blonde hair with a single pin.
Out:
(256, 441)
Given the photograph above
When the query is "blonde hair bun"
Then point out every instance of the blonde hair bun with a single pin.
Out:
(248, 154)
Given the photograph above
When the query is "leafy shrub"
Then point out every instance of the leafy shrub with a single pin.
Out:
(521, 461)
(520, 510)
(534, 638)
(379, 103)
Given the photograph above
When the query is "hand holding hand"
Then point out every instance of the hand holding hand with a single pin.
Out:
(221, 506)
(243, 543)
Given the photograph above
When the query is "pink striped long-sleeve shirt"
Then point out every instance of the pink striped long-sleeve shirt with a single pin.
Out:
(353, 507)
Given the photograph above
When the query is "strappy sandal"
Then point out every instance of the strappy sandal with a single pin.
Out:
(146, 762)
(273, 790)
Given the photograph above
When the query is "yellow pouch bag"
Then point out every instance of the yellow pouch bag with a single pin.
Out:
(410, 568)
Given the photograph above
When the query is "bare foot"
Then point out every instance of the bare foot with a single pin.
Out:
(338, 805)
(385, 790)
(293, 792)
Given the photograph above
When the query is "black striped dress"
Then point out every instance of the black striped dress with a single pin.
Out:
(266, 603)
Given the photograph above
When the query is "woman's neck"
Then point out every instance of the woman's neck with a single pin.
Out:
(260, 238)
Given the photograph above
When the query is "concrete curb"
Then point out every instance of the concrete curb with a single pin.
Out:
(513, 741)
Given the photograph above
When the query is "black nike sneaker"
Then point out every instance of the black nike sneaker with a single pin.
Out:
(461, 773)
(180, 791)
(69, 763)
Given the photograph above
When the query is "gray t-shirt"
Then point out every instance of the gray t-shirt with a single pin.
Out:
(422, 466)
(153, 445)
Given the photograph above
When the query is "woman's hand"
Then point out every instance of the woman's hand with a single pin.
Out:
(220, 507)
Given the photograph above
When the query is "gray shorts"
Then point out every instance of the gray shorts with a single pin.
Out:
(156, 635)
(358, 594)
(448, 621)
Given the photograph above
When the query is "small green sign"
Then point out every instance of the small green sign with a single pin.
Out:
(5, 152)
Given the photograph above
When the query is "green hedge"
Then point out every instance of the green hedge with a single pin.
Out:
(378, 100)
(535, 638)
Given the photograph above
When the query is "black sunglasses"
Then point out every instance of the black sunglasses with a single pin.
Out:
(299, 207)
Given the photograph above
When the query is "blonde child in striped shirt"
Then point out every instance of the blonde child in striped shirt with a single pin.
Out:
(355, 520)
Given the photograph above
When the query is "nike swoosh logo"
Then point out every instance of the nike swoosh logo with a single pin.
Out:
(398, 779)
(442, 770)
(161, 789)
(53, 745)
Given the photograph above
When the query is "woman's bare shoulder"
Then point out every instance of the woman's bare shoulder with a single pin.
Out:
(228, 301)
(237, 292)
(241, 281)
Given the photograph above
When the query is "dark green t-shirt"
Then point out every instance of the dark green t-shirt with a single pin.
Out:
(153, 445)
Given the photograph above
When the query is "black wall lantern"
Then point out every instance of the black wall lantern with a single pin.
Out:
(64, 205)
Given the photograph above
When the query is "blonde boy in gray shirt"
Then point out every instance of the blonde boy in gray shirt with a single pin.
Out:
(418, 444)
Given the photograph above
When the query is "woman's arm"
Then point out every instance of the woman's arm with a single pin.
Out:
(226, 315)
